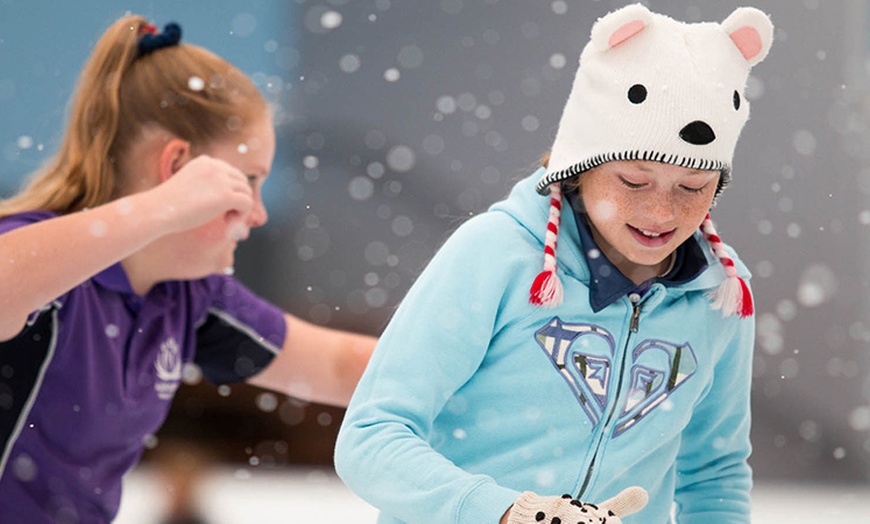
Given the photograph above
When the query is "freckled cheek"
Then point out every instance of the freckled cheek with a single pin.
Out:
(692, 212)
(696, 210)
(604, 210)
(610, 208)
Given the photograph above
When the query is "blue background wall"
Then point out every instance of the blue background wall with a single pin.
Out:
(44, 44)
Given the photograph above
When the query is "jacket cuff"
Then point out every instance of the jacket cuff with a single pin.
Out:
(485, 503)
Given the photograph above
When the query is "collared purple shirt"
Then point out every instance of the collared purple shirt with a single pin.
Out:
(93, 373)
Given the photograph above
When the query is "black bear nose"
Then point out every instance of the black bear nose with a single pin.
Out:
(698, 133)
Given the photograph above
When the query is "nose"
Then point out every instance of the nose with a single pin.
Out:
(660, 207)
(698, 133)
(258, 215)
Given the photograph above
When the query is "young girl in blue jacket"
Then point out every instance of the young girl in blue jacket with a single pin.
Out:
(626, 367)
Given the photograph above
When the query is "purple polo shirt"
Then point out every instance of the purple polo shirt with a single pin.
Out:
(93, 374)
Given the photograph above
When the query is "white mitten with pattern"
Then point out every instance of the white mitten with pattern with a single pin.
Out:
(531, 508)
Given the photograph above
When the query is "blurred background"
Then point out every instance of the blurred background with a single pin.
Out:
(399, 119)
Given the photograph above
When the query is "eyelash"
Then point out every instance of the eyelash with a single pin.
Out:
(631, 185)
(693, 190)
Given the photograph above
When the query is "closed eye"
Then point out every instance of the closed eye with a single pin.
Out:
(631, 185)
(694, 189)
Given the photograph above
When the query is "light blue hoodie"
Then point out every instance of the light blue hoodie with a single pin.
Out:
(473, 395)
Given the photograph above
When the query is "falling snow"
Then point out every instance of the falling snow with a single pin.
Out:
(330, 19)
(433, 134)
(196, 83)
(392, 75)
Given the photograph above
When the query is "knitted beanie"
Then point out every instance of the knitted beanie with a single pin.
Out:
(652, 88)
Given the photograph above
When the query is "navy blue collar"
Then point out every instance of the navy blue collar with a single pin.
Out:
(607, 283)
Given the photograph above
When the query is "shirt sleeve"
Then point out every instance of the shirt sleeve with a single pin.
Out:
(428, 351)
(714, 478)
(23, 219)
(240, 333)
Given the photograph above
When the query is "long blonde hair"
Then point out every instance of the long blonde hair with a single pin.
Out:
(186, 90)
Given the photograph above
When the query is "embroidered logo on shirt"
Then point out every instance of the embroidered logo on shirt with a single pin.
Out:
(168, 367)
(584, 354)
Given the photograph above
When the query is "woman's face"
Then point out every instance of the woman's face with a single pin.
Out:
(210, 248)
(641, 211)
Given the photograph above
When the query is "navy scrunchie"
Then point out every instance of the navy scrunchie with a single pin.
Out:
(170, 36)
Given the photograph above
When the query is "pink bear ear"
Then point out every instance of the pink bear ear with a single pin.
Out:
(751, 31)
(620, 25)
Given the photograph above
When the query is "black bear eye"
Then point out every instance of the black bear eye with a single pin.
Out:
(637, 94)
(736, 100)
(540, 516)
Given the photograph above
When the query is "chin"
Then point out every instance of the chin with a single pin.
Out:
(649, 259)
(202, 262)
(207, 270)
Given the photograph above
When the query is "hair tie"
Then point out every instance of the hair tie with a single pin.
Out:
(151, 40)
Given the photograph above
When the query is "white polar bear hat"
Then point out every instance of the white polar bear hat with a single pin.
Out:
(652, 88)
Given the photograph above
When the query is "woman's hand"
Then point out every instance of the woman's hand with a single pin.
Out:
(203, 189)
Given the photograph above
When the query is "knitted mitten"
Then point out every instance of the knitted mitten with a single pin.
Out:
(531, 508)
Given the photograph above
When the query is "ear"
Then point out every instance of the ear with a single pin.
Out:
(751, 31)
(619, 26)
(173, 156)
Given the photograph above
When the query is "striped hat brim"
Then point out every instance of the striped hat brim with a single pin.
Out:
(691, 163)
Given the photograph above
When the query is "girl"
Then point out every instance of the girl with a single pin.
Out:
(485, 401)
(116, 264)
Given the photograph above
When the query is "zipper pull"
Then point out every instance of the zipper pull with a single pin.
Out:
(635, 314)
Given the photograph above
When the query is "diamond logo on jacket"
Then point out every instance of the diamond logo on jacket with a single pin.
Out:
(584, 354)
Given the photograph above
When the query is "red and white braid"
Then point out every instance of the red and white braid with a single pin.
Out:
(733, 295)
(547, 288)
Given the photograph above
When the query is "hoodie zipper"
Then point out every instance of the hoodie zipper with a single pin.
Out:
(635, 313)
(635, 300)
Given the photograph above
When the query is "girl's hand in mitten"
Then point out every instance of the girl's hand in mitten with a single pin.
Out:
(531, 508)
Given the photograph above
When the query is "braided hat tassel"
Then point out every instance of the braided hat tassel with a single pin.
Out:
(547, 288)
(733, 295)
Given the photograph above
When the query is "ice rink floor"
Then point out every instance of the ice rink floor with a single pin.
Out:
(317, 495)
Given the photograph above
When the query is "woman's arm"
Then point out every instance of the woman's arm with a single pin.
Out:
(42, 261)
(317, 364)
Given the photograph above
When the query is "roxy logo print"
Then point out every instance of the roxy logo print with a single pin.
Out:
(168, 367)
(584, 356)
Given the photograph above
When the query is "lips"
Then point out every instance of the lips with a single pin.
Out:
(650, 238)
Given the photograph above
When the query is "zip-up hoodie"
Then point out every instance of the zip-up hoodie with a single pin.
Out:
(473, 395)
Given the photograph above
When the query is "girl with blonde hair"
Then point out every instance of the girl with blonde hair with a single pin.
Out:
(117, 271)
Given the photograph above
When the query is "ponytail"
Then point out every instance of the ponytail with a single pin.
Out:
(121, 91)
